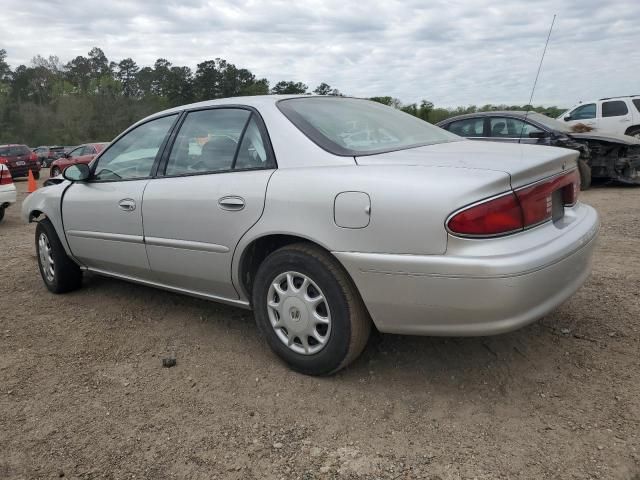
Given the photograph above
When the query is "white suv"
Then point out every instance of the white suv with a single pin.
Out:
(617, 115)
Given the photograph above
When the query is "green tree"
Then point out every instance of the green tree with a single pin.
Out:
(127, 72)
(289, 88)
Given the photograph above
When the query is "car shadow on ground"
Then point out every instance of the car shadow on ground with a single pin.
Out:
(530, 351)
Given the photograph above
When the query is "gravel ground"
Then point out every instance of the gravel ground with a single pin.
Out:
(83, 393)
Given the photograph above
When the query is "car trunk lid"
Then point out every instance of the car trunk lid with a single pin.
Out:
(525, 164)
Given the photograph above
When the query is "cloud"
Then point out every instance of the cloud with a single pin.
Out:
(450, 52)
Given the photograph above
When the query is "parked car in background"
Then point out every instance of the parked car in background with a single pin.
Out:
(7, 189)
(47, 155)
(80, 154)
(19, 159)
(617, 115)
(607, 156)
(271, 203)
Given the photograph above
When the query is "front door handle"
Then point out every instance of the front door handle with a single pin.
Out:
(127, 204)
(231, 202)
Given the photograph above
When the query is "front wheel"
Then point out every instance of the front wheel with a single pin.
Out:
(59, 272)
(309, 310)
(55, 171)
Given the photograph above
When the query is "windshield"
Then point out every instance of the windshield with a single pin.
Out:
(549, 122)
(350, 126)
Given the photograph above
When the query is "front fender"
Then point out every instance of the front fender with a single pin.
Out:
(47, 201)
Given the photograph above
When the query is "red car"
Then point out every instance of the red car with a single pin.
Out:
(81, 154)
(19, 159)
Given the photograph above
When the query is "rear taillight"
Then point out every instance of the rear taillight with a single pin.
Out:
(4, 160)
(493, 217)
(5, 177)
(515, 211)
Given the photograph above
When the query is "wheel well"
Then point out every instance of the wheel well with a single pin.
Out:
(258, 250)
(34, 215)
(632, 129)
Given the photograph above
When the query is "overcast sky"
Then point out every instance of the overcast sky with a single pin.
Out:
(450, 52)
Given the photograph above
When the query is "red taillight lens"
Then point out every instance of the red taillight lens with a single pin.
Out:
(5, 177)
(494, 217)
(4, 160)
(515, 211)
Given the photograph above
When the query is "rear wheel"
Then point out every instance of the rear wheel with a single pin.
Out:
(59, 272)
(585, 175)
(634, 132)
(309, 310)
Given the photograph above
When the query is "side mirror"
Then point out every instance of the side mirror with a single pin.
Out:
(567, 118)
(77, 173)
(537, 134)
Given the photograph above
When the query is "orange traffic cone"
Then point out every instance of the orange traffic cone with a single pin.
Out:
(32, 186)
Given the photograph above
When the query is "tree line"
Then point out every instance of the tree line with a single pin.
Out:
(91, 98)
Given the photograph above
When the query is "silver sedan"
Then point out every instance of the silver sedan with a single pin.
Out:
(326, 216)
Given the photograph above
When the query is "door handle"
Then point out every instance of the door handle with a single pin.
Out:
(231, 202)
(127, 204)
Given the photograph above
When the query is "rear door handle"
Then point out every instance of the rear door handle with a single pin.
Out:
(127, 204)
(231, 202)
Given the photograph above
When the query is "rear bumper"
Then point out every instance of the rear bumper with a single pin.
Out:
(481, 287)
(7, 195)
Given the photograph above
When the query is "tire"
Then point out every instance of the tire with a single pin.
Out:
(1, 213)
(348, 326)
(585, 175)
(633, 132)
(55, 171)
(62, 274)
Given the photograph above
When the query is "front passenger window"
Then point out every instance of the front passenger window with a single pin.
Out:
(132, 156)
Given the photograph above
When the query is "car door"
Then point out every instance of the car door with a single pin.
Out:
(614, 117)
(514, 130)
(102, 217)
(583, 114)
(210, 191)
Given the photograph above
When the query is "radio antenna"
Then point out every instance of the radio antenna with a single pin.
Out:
(535, 82)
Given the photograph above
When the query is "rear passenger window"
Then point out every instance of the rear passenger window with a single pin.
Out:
(615, 108)
(637, 104)
(469, 127)
(252, 152)
(506, 127)
(217, 140)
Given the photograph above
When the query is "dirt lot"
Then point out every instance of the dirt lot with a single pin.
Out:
(83, 393)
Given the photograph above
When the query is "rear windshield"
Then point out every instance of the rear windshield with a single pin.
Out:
(14, 150)
(350, 126)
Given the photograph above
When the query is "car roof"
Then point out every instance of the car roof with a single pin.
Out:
(14, 145)
(255, 101)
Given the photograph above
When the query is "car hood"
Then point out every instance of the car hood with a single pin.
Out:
(606, 137)
(523, 163)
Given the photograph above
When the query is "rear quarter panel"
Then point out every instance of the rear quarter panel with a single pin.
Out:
(409, 206)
